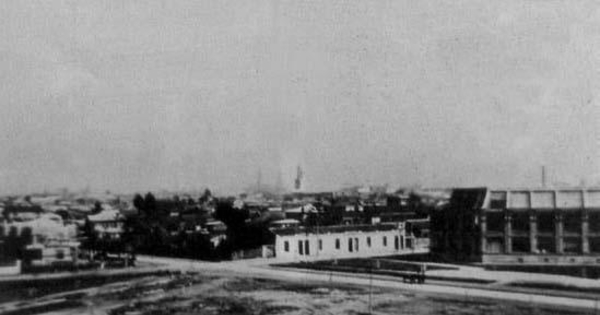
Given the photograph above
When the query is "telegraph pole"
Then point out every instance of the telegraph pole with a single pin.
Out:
(543, 176)
(370, 288)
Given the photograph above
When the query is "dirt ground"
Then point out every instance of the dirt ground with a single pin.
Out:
(202, 294)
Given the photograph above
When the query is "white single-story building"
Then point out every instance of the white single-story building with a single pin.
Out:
(335, 242)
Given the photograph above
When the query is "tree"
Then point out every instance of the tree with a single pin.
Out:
(206, 196)
(132, 231)
(241, 233)
(414, 202)
(232, 217)
(90, 237)
(138, 203)
(150, 204)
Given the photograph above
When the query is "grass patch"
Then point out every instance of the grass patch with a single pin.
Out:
(34, 288)
(251, 284)
(362, 269)
(50, 307)
(553, 286)
(210, 305)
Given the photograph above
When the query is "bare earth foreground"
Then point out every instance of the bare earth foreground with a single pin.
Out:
(209, 289)
(177, 286)
(198, 293)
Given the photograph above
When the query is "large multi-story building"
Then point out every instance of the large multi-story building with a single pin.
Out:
(108, 224)
(519, 226)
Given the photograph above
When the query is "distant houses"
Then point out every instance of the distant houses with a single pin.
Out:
(44, 233)
(107, 224)
(42, 241)
(70, 230)
(104, 235)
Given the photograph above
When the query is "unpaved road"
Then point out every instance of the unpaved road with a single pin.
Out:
(230, 294)
(260, 268)
(253, 288)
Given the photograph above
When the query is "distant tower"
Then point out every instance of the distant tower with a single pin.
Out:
(279, 183)
(259, 180)
(299, 177)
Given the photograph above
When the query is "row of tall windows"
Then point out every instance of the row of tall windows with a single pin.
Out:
(545, 245)
(545, 221)
(353, 244)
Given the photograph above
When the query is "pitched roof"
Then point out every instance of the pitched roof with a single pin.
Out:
(106, 215)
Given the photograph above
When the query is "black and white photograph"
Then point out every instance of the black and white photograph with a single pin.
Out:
(295, 157)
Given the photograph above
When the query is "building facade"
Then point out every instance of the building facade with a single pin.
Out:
(336, 242)
(520, 226)
(108, 224)
(44, 241)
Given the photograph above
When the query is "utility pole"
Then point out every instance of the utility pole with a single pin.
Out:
(543, 176)
(370, 288)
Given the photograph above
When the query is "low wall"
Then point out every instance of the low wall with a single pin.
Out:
(265, 251)
(530, 259)
(11, 269)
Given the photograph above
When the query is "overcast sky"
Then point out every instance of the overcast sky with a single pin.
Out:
(140, 95)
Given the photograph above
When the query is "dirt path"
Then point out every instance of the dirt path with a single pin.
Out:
(250, 295)
(257, 268)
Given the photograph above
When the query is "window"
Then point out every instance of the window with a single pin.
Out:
(546, 245)
(498, 200)
(594, 222)
(545, 221)
(300, 249)
(521, 245)
(320, 244)
(396, 242)
(572, 245)
(572, 222)
(350, 248)
(306, 247)
(520, 221)
(368, 241)
(385, 241)
(337, 243)
(495, 221)
(595, 244)
(286, 246)
(60, 254)
(494, 245)
(356, 244)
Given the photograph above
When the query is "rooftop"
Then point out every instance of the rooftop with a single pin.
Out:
(335, 229)
(523, 198)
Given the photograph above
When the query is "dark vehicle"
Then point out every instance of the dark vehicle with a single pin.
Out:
(416, 275)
